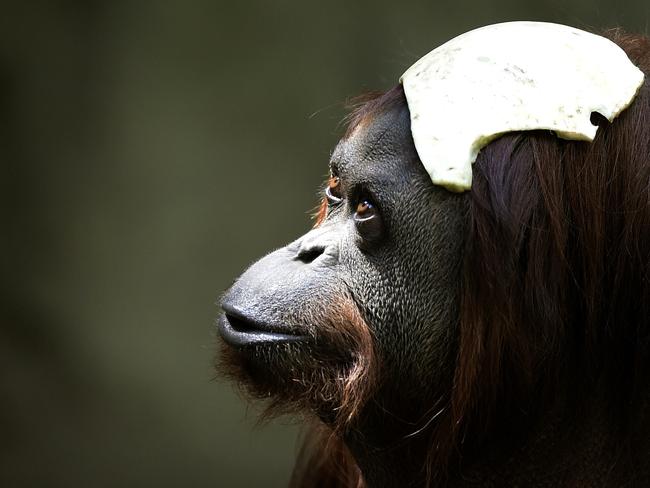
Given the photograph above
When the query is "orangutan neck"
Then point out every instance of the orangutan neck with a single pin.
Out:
(573, 450)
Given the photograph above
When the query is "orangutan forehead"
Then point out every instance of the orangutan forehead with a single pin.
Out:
(382, 134)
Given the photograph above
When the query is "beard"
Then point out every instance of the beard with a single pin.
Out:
(332, 374)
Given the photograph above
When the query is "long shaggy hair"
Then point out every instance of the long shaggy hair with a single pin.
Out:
(555, 296)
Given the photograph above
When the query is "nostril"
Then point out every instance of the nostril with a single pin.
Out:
(307, 255)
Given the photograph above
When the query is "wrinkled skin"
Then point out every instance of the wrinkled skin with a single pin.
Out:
(401, 269)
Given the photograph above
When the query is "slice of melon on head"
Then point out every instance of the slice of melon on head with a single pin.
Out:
(514, 76)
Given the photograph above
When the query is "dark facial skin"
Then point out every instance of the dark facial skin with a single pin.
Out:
(391, 248)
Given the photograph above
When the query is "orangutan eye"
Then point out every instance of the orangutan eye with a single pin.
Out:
(333, 190)
(368, 222)
(365, 210)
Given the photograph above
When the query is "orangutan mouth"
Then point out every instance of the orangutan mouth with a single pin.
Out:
(238, 329)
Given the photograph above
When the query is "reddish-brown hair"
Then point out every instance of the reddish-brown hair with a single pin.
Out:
(557, 258)
(556, 277)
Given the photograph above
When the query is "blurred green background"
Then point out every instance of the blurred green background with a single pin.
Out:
(150, 150)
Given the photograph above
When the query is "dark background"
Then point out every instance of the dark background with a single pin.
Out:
(150, 150)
